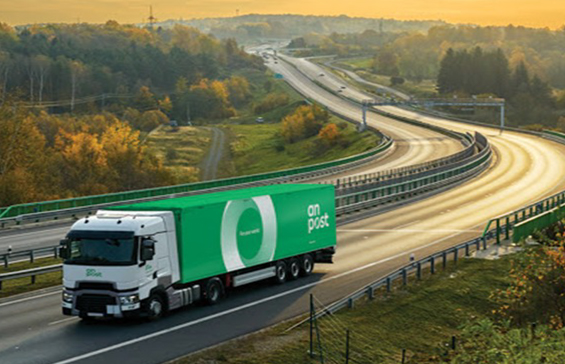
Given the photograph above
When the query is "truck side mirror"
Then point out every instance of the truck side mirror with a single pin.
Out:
(64, 249)
(147, 249)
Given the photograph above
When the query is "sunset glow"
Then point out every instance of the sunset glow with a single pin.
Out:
(543, 13)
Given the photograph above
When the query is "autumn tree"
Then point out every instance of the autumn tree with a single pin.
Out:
(238, 89)
(23, 159)
(537, 282)
(386, 62)
(210, 99)
(83, 163)
(145, 100)
(329, 134)
(304, 122)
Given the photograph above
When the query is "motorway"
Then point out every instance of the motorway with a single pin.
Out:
(412, 145)
(525, 168)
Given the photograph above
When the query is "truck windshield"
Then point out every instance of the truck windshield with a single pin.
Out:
(102, 251)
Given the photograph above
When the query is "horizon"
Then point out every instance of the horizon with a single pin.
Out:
(544, 14)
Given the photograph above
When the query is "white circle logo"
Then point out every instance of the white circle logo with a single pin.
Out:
(249, 232)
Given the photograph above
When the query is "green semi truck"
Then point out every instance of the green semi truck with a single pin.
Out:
(148, 258)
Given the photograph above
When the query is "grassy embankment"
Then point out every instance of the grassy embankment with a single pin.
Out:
(420, 318)
(362, 66)
(259, 148)
(181, 149)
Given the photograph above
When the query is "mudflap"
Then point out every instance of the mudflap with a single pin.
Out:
(325, 255)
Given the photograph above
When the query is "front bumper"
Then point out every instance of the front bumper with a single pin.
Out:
(98, 304)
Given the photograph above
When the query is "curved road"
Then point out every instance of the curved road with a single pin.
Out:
(525, 168)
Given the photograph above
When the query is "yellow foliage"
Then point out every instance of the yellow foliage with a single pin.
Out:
(293, 128)
(329, 134)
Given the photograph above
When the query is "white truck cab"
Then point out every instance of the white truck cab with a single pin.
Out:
(119, 264)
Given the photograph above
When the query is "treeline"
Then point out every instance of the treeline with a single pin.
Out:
(476, 72)
(68, 62)
(47, 157)
(253, 26)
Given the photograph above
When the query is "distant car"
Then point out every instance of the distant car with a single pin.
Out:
(276, 62)
(339, 90)
(342, 87)
(260, 120)
(321, 75)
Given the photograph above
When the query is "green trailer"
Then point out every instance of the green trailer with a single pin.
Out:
(197, 246)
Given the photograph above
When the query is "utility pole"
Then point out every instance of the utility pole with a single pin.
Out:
(151, 18)
(236, 12)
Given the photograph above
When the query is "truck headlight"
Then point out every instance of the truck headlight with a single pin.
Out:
(67, 297)
(129, 300)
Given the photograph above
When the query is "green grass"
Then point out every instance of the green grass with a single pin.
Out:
(420, 318)
(22, 285)
(257, 148)
(362, 66)
(181, 150)
(358, 63)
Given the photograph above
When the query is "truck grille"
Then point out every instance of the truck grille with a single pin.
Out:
(94, 302)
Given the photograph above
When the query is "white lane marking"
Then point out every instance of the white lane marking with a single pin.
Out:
(248, 305)
(409, 230)
(405, 225)
(61, 321)
(29, 298)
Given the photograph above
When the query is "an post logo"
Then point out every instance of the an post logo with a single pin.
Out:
(315, 218)
(249, 232)
(93, 273)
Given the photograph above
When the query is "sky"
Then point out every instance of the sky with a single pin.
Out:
(540, 13)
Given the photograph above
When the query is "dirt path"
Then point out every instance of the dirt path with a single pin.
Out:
(212, 160)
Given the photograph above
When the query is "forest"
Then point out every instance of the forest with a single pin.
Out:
(40, 64)
(60, 139)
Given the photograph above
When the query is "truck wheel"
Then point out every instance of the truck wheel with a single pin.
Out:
(307, 265)
(214, 291)
(280, 272)
(293, 269)
(154, 307)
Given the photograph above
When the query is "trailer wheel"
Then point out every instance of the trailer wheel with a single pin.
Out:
(280, 272)
(154, 307)
(307, 265)
(214, 291)
(293, 269)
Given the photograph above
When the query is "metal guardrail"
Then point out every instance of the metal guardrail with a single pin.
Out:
(374, 195)
(30, 254)
(505, 223)
(30, 273)
(406, 172)
(414, 268)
